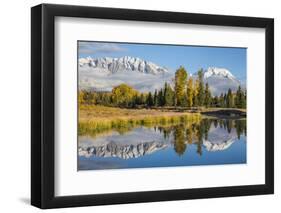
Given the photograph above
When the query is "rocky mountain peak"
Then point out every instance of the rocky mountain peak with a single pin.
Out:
(126, 63)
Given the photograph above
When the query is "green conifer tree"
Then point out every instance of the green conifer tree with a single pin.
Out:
(207, 96)
(149, 100)
(168, 95)
(200, 88)
(229, 99)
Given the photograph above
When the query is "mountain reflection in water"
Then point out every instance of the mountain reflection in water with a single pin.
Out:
(207, 142)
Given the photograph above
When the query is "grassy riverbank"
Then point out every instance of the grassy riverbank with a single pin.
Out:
(96, 119)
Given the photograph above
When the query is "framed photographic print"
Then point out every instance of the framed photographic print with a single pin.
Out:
(140, 106)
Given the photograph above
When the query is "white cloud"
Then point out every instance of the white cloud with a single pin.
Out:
(91, 78)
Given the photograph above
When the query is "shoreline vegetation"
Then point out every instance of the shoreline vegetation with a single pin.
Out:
(185, 101)
(96, 119)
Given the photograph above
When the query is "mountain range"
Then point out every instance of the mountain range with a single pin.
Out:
(127, 63)
(102, 74)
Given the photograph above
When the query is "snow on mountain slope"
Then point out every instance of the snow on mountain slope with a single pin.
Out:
(102, 74)
(127, 63)
(215, 71)
(220, 80)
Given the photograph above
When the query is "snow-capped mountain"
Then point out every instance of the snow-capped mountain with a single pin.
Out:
(127, 63)
(102, 74)
(220, 80)
(218, 72)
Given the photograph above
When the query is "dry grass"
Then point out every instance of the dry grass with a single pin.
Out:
(96, 119)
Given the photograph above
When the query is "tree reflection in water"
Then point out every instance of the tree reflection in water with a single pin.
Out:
(186, 134)
(205, 134)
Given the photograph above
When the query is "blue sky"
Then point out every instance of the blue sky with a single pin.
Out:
(172, 56)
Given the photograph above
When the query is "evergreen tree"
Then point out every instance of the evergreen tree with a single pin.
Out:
(225, 99)
(240, 101)
(229, 99)
(180, 82)
(195, 93)
(221, 100)
(207, 96)
(155, 98)
(168, 95)
(200, 88)
(190, 92)
(160, 98)
(245, 99)
(142, 99)
(215, 101)
(149, 100)
(134, 101)
(237, 99)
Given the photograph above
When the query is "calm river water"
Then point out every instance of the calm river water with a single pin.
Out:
(208, 142)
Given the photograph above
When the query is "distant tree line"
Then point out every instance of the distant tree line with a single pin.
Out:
(186, 92)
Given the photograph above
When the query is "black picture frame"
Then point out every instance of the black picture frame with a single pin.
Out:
(43, 105)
